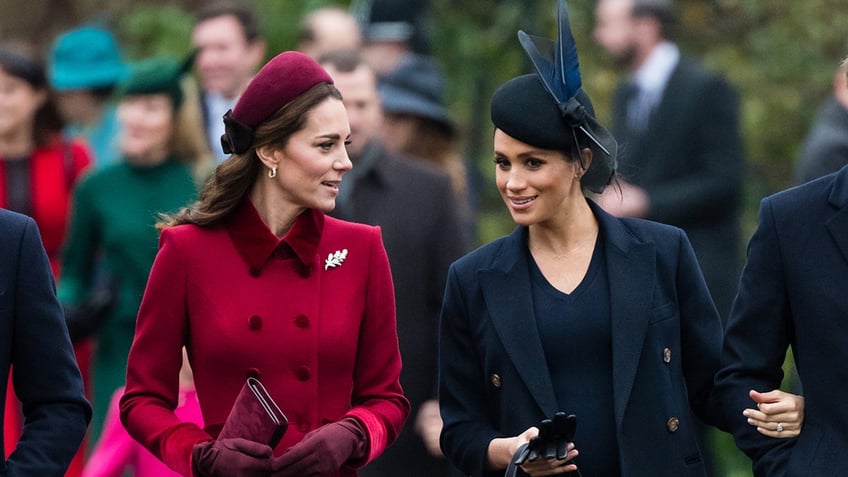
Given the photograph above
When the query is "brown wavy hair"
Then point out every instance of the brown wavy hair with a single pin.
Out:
(234, 177)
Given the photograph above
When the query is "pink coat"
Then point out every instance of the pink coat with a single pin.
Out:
(116, 451)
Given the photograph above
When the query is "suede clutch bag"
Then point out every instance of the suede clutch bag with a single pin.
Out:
(255, 416)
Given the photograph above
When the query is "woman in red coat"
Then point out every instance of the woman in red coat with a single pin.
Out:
(255, 280)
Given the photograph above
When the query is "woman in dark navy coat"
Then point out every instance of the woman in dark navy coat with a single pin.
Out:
(576, 311)
(254, 280)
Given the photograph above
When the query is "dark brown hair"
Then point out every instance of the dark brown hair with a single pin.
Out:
(244, 15)
(19, 60)
(234, 177)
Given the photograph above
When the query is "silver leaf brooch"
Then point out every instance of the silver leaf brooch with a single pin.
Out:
(335, 259)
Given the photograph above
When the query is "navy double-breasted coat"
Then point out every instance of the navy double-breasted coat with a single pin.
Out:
(666, 337)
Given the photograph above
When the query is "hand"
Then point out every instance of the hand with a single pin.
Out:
(773, 408)
(552, 450)
(230, 458)
(623, 199)
(428, 424)
(323, 451)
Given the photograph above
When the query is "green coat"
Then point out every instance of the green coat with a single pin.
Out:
(112, 228)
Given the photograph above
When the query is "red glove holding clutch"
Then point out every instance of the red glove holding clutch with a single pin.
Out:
(231, 458)
(323, 451)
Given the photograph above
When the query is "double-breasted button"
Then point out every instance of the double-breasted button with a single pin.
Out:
(672, 424)
(255, 271)
(667, 355)
(303, 373)
(496, 380)
(252, 373)
(302, 321)
(254, 322)
(303, 427)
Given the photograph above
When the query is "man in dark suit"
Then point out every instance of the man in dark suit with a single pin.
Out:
(34, 340)
(413, 202)
(681, 159)
(792, 293)
(230, 50)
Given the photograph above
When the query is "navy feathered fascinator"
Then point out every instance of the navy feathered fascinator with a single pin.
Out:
(559, 72)
(549, 109)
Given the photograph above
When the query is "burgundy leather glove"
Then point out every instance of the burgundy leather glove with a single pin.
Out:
(231, 458)
(323, 451)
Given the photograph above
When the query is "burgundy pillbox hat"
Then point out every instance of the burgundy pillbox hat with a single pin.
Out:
(284, 78)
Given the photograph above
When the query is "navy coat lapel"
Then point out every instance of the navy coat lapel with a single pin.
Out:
(837, 225)
(506, 290)
(631, 267)
(631, 271)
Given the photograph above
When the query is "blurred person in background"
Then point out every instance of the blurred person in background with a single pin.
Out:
(115, 209)
(38, 170)
(328, 29)
(231, 49)
(682, 157)
(416, 123)
(825, 148)
(413, 202)
(391, 30)
(85, 66)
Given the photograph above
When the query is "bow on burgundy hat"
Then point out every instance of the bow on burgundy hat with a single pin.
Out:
(284, 78)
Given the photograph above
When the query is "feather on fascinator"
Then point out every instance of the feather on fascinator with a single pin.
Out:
(559, 72)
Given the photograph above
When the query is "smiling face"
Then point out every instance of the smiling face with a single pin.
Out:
(146, 126)
(226, 60)
(311, 165)
(537, 185)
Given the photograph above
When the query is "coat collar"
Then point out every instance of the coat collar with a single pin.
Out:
(838, 223)
(256, 243)
(631, 274)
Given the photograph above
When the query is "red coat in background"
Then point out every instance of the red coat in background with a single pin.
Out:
(53, 173)
(313, 315)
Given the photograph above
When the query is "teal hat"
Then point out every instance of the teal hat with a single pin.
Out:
(85, 58)
(158, 75)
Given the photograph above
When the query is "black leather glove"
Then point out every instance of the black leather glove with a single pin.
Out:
(231, 458)
(552, 441)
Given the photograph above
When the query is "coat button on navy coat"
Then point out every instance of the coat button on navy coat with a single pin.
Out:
(496, 380)
(667, 355)
(672, 424)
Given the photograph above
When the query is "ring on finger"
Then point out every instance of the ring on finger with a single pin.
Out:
(779, 427)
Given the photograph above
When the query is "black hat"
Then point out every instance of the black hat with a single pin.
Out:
(550, 110)
(415, 88)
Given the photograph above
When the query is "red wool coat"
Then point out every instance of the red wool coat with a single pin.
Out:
(320, 335)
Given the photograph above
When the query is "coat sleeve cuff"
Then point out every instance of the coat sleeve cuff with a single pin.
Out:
(176, 446)
(375, 432)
